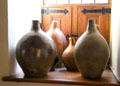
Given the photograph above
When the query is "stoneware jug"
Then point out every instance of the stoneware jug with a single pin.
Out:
(91, 52)
(58, 36)
(35, 52)
(68, 55)
(59, 39)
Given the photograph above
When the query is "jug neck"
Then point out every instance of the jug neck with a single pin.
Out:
(72, 40)
(91, 26)
(35, 26)
(53, 25)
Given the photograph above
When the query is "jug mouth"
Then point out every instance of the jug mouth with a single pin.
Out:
(35, 25)
(35, 21)
(91, 27)
(91, 20)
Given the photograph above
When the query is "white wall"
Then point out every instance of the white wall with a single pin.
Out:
(20, 16)
(115, 36)
(18, 26)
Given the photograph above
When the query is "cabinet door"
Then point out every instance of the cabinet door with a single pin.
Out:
(61, 14)
(102, 19)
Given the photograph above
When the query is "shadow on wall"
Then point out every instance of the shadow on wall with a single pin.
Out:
(118, 58)
(14, 66)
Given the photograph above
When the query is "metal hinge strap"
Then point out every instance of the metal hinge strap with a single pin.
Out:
(103, 10)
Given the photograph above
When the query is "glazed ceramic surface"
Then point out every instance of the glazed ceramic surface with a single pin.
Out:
(91, 52)
(68, 55)
(35, 52)
(58, 36)
(59, 39)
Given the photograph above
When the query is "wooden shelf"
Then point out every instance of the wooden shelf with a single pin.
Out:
(65, 77)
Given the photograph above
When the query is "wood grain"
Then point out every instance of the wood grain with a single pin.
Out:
(102, 20)
(75, 22)
(65, 77)
(64, 20)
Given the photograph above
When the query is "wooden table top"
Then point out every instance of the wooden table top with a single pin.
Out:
(65, 77)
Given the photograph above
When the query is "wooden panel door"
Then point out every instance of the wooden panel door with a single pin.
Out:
(75, 21)
(61, 14)
(102, 20)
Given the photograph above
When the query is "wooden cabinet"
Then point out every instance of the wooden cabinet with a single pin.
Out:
(75, 20)
(61, 14)
(102, 20)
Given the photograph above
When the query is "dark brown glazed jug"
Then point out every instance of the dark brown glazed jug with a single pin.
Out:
(35, 52)
(68, 55)
(91, 52)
